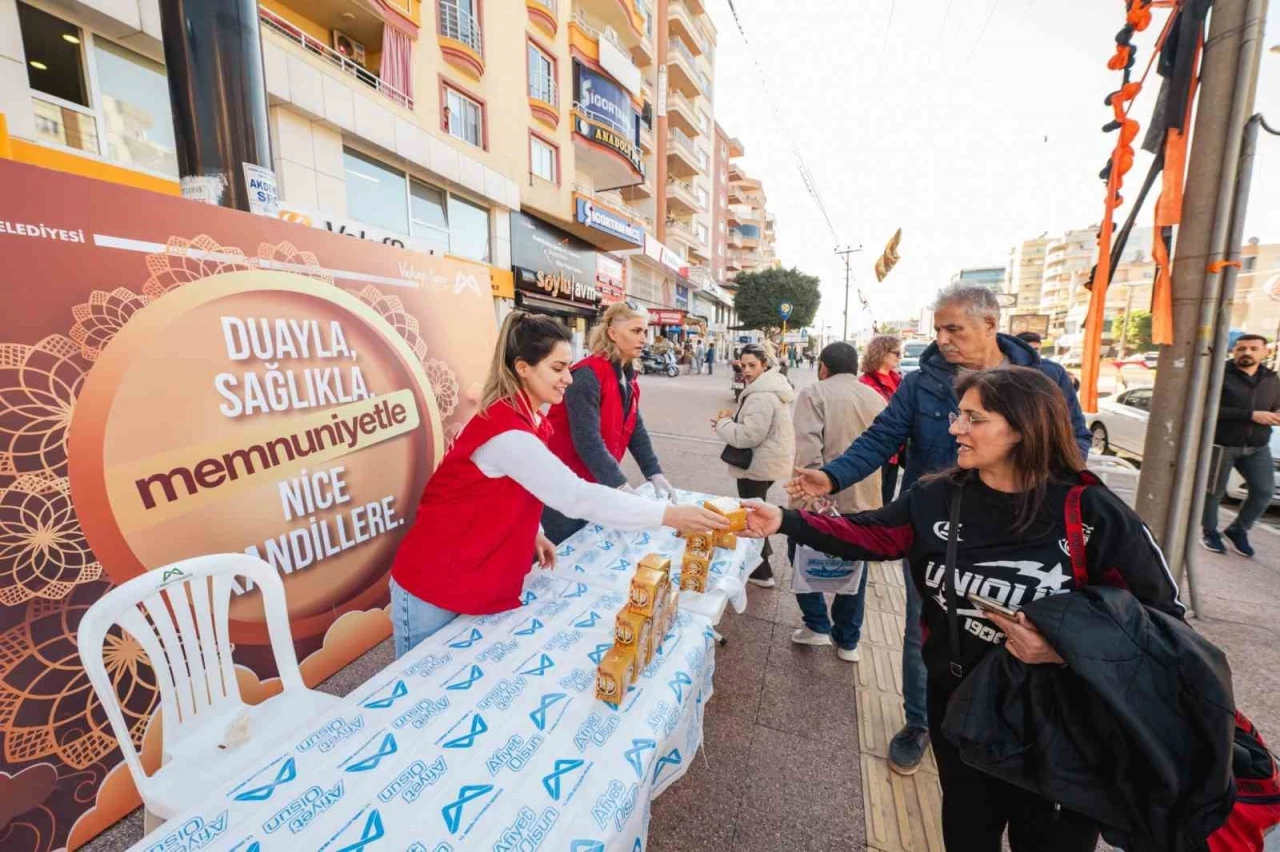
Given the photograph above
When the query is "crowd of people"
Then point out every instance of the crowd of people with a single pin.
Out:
(972, 472)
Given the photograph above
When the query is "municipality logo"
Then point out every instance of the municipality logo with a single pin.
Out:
(591, 619)
(567, 550)
(672, 758)
(287, 772)
(398, 691)
(551, 781)
(385, 749)
(465, 679)
(533, 628)
(539, 715)
(478, 727)
(634, 755)
(642, 539)
(528, 598)
(605, 546)
(579, 590)
(598, 654)
(471, 638)
(678, 683)
(452, 812)
(544, 663)
(620, 565)
(371, 832)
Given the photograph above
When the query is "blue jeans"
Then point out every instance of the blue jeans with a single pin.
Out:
(1255, 465)
(845, 622)
(914, 676)
(413, 619)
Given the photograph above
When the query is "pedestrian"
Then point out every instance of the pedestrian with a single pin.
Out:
(1030, 338)
(880, 373)
(476, 531)
(689, 358)
(830, 415)
(811, 359)
(1250, 407)
(599, 419)
(965, 321)
(760, 436)
(700, 356)
(711, 358)
(1018, 461)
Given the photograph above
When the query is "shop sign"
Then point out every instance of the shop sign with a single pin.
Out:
(610, 282)
(605, 115)
(664, 317)
(538, 247)
(352, 228)
(682, 297)
(558, 286)
(1039, 323)
(603, 219)
(611, 139)
(665, 256)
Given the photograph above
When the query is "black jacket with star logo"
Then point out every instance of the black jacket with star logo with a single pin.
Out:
(992, 560)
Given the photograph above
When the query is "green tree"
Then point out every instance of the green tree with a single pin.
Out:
(760, 293)
(1139, 337)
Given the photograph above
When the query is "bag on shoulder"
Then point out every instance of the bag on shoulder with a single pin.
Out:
(739, 457)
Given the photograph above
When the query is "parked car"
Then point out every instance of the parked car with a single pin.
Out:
(911, 352)
(1120, 424)
(907, 365)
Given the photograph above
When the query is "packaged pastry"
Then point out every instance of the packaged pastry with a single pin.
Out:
(630, 627)
(657, 562)
(673, 604)
(615, 673)
(699, 541)
(726, 540)
(696, 562)
(646, 585)
(693, 583)
(644, 653)
(731, 509)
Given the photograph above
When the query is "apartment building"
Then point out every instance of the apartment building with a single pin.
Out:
(751, 230)
(1024, 277)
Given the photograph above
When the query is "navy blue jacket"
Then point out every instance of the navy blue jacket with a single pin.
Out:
(918, 414)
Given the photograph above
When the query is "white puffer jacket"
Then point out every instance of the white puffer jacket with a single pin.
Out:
(764, 425)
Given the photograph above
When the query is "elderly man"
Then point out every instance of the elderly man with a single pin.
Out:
(965, 320)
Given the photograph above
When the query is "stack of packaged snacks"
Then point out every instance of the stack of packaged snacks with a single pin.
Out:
(638, 629)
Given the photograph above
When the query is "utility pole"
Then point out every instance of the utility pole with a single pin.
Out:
(1124, 327)
(1228, 78)
(845, 252)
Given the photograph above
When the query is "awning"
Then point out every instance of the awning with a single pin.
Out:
(556, 306)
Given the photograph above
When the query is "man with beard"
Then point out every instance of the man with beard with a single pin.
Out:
(1250, 402)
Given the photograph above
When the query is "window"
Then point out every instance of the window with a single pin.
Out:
(1249, 264)
(542, 76)
(542, 160)
(702, 197)
(724, 151)
(137, 119)
(55, 65)
(700, 230)
(375, 193)
(459, 21)
(465, 117)
(704, 160)
(428, 217)
(468, 230)
(704, 122)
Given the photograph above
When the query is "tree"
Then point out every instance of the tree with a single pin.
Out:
(1139, 337)
(760, 293)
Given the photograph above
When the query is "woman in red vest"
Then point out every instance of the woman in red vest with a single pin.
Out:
(476, 533)
(880, 373)
(599, 419)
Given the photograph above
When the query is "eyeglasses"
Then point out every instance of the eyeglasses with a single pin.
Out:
(963, 422)
(896, 353)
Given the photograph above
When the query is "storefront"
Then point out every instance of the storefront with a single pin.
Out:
(611, 280)
(555, 274)
(653, 275)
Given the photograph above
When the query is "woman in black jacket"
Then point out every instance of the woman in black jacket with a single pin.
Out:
(1016, 464)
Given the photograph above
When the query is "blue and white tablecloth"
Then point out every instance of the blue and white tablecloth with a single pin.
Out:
(486, 736)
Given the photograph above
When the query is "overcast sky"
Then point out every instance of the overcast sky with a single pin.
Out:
(970, 133)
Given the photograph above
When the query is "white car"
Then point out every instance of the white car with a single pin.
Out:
(1120, 424)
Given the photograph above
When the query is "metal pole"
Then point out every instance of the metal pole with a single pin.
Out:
(1124, 328)
(845, 254)
(1222, 331)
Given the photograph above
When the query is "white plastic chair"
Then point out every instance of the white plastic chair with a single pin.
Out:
(178, 614)
(1119, 475)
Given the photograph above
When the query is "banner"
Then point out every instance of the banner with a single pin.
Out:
(175, 380)
(1039, 323)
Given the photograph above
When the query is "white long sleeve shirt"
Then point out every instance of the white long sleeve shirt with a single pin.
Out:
(524, 458)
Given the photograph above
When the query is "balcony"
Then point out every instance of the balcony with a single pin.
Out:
(697, 7)
(544, 98)
(699, 251)
(622, 20)
(682, 157)
(545, 14)
(682, 70)
(681, 114)
(682, 200)
(744, 237)
(461, 40)
(642, 191)
(642, 53)
(680, 25)
(287, 30)
(680, 232)
(646, 138)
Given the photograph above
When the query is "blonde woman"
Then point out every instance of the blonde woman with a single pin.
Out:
(599, 419)
(476, 532)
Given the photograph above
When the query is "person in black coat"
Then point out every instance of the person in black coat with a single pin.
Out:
(1016, 464)
(1249, 409)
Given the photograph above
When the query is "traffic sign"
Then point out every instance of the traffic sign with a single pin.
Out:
(784, 310)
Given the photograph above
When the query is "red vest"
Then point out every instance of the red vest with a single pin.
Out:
(615, 428)
(473, 539)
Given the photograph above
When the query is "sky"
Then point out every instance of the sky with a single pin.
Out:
(970, 124)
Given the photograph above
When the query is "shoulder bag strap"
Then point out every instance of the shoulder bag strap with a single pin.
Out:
(1075, 537)
(949, 581)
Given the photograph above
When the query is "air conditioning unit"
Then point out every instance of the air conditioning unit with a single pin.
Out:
(349, 47)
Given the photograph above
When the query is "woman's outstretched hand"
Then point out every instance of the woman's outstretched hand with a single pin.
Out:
(546, 552)
(692, 518)
(763, 520)
(1024, 641)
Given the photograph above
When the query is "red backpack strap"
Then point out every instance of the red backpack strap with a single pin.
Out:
(1075, 535)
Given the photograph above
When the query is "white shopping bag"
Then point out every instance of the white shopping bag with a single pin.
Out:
(815, 571)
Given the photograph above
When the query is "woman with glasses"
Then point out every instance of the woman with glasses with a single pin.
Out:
(880, 373)
(760, 436)
(599, 419)
(1017, 461)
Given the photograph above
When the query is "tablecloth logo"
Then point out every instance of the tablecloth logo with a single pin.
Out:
(333, 732)
(452, 812)
(193, 834)
(635, 754)
(544, 664)
(605, 546)
(465, 679)
(579, 680)
(421, 713)
(534, 627)
(478, 727)
(671, 758)
(428, 665)
(386, 748)
(371, 832)
(551, 782)
(416, 778)
(539, 715)
(528, 598)
(620, 565)
(596, 729)
(567, 550)
(678, 683)
(579, 590)
(514, 754)
(598, 654)
(398, 691)
(288, 771)
(527, 831)
(641, 540)
(301, 811)
(586, 846)
(591, 619)
(472, 638)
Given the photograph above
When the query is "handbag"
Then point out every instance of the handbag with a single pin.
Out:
(816, 571)
(739, 457)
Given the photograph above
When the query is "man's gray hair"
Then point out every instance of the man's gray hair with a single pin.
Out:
(977, 301)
